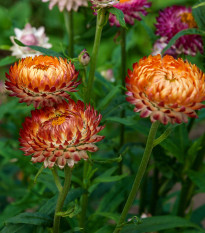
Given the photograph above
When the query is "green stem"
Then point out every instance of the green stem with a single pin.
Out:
(101, 20)
(102, 17)
(61, 198)
(123, 74)
(68, 16)
(84, 200)
(56, 178)
(139, 176)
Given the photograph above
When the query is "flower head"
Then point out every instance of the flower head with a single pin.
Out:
(29, 36)
(42, 80)
(62, 134)
(175, 19)
(166, 89)
(131, 9)
(67, 4)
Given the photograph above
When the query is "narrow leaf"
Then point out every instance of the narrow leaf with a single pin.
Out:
(190, 31)
(119, 15)
(38, 173)
(31, 218)
(163, 136)
(108, 97)
(45, 51)
(158, 223)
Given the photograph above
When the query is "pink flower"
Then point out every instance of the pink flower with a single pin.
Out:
(29, 36)
(173, 20)
(67, 4)
(131, 9)
(159, 45)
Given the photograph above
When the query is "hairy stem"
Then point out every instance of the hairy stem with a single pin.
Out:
(61, 198)
(139, 176)
(101, 20)
(68, 16)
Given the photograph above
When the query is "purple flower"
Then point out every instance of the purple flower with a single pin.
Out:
(173, 20)
(131, 9)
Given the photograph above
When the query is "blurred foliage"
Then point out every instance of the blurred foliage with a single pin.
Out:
(28, 207)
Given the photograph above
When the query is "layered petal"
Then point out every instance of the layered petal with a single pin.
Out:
(61, 134)
(166, 89)
(42, 80)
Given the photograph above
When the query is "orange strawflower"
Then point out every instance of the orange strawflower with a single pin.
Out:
(166, 89)
(42, 80)
(61, 134)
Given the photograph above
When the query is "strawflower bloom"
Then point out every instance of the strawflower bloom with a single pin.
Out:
(131, 9)
(166, 89)
(175, 19)
(62, 134)
(42, 80)
(67, 4)
(29, 36)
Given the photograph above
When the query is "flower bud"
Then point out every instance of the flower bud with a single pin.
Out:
(84, 57)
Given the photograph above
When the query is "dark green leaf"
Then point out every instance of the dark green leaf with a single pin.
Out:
(31, 218)
(108, 98)
(158, 223)
(125, 121)
(49, 206)
(163, 136)
(17, 228)
(108, 215)
(198, 178)
(198, 13)
(119, 15)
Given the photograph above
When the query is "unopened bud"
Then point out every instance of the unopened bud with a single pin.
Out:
(84, 57)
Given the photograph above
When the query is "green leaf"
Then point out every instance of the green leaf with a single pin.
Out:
(198, 13)
(199, 5)
(119, 15)
(108, 215)
(105, 229)
(108, 97)
(45, 51)
(190, 31)
(124, 121)
(178, 142)
(49, 206)
(198, 179)
(109, 179)
(31, 218)
(7, 60)
(158, 223)
(38, 174)
(118, 159)
(163, 136)
(17, 228)
(71, 211)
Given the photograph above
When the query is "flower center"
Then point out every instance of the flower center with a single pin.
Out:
(41, 67)
(122, 1)
(58, 121)
(189, 19)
